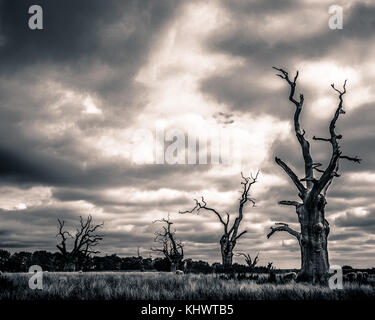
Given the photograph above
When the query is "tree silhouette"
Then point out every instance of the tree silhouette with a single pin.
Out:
(171, 248)
(251, 263)
(84, 241)
(230, 236)
(312, 190)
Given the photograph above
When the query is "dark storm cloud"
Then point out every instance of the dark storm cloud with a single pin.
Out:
(364, 222)
(97, 198)
(27, 244)
(345, 236)
(41, 216)
(82, 40)
(74, 32)
(360, 24)
(359, 137)
(238, 89)
(243, 88)
(350, 190)
(33, 227)
(78, 38)
(29, 167)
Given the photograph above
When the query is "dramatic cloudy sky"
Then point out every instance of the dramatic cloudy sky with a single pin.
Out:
(77, 99)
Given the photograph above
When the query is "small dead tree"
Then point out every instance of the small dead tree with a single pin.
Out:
(312, 190)
(84, 240)
(171, 248)
(230, 236)
(251, 263)
(270, 267)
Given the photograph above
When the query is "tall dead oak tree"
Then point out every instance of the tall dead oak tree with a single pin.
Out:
(230, 236)
(312, 190)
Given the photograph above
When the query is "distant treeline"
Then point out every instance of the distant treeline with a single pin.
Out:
(48, 261)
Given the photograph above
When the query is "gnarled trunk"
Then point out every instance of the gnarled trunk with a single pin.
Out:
(313, 243)
(312, 239)
(227, 247)
(227, 259)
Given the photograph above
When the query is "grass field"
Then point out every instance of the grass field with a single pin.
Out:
(165, 286)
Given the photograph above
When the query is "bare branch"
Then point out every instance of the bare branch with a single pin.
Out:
(313, 180)
(242, 233)
(250, 262)
(283, 227)
(63, 234)
(331, 171)
(319, 170)
(290, 203)
(83, 241)
(203, 205)
(247, 183)
(228, 218)
(354, 159)
(292, 175)
(300, 134)
(171, 248)
(321, 139)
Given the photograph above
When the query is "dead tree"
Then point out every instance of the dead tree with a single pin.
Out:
(84, 241)
(312, 190)
(171, 248)
(251, 263)
(230, 236)
(270, 266)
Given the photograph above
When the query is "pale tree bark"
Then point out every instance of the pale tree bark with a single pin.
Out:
(84, 242)
(312, 191)
(230, 234)
(171, 248)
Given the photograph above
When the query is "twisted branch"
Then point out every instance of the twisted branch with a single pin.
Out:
(284, 227)
(300, 133)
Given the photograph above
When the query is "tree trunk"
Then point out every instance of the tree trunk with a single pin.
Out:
(70, 263)
(173, 267)
(227, 260)
(70, 266)
(314, 252)
(227, 247)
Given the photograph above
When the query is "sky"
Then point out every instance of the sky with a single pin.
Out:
(86, 103)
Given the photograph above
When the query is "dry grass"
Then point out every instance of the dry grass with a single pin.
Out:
(164, 286)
